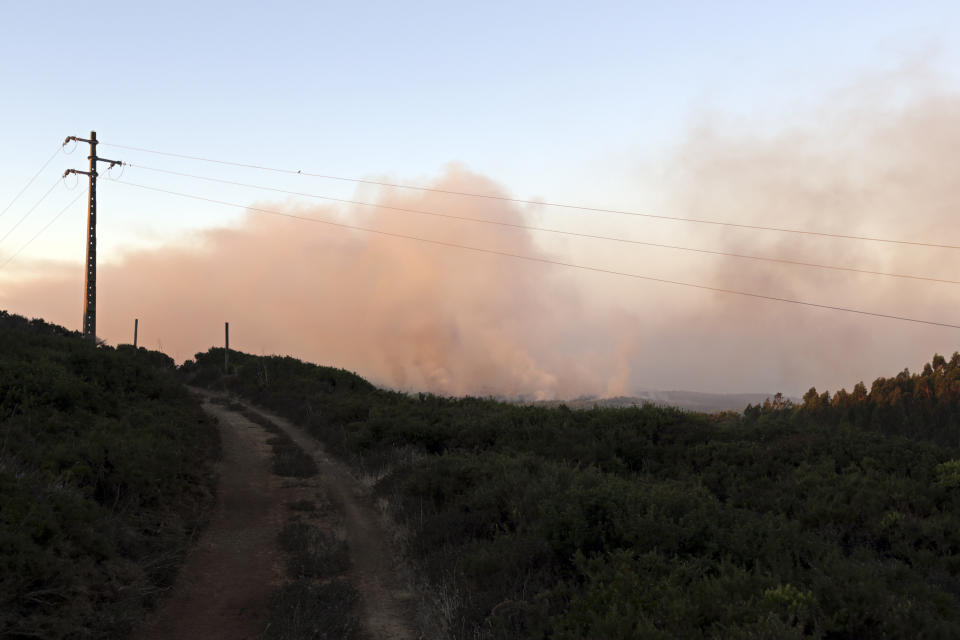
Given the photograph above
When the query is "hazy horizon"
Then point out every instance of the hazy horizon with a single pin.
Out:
(714, 114)
(434, 318)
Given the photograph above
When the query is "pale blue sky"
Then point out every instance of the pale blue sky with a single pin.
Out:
(551, 99)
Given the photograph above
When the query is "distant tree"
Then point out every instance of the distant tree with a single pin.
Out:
(939, 362)
(815, 404)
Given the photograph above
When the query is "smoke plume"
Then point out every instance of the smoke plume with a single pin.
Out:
(419, 316)
(404, 313)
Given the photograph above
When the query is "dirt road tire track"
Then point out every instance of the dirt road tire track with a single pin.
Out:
(225, 584)
(385, 606)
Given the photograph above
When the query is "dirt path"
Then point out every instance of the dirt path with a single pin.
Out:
(226, 582)
(384, 604)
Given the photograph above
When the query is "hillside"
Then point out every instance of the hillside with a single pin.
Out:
(834, 517)
(689, 400)
(838, 518)
(106, 473)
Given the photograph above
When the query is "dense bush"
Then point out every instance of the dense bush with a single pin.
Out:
(105, 475)
(811, 521)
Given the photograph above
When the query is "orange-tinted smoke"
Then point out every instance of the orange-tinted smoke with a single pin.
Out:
(405, 314)
(416, 316)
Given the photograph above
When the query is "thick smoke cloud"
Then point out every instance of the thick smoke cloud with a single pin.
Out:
(878, 162)
(415, 316)
(406, 314)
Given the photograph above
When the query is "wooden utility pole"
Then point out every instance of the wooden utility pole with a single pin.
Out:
(226, 349)
(136, 325)
(90, 281)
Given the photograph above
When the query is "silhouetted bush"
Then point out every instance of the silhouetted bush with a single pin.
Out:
(105, 476)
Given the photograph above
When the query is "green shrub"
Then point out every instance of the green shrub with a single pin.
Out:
(105, 476)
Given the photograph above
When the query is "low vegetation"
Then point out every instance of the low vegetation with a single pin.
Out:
(319, 611)
(316, 602)
(106, 476)
(837, 518)
(311, 552)
(289, 459)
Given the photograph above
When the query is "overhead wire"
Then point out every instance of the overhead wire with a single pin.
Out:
(31, 180)
(544, 203)
(544, 229)
(30, 210)
(548, 260)
(39, 233)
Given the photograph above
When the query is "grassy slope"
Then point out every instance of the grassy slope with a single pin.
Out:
(105, 474)
(838, 519)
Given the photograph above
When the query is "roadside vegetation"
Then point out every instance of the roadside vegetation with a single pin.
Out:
(106, 476)
(836, 518)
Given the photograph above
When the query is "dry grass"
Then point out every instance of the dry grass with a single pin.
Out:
(313, 553)
(304, 609)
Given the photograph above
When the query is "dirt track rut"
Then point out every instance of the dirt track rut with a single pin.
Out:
(225, 585)
(384, 604)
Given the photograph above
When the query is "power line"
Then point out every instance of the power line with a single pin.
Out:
(622, 212)
(31, 210)
(39, 233)
(30, 181)
(548, 260)
(547, 229)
